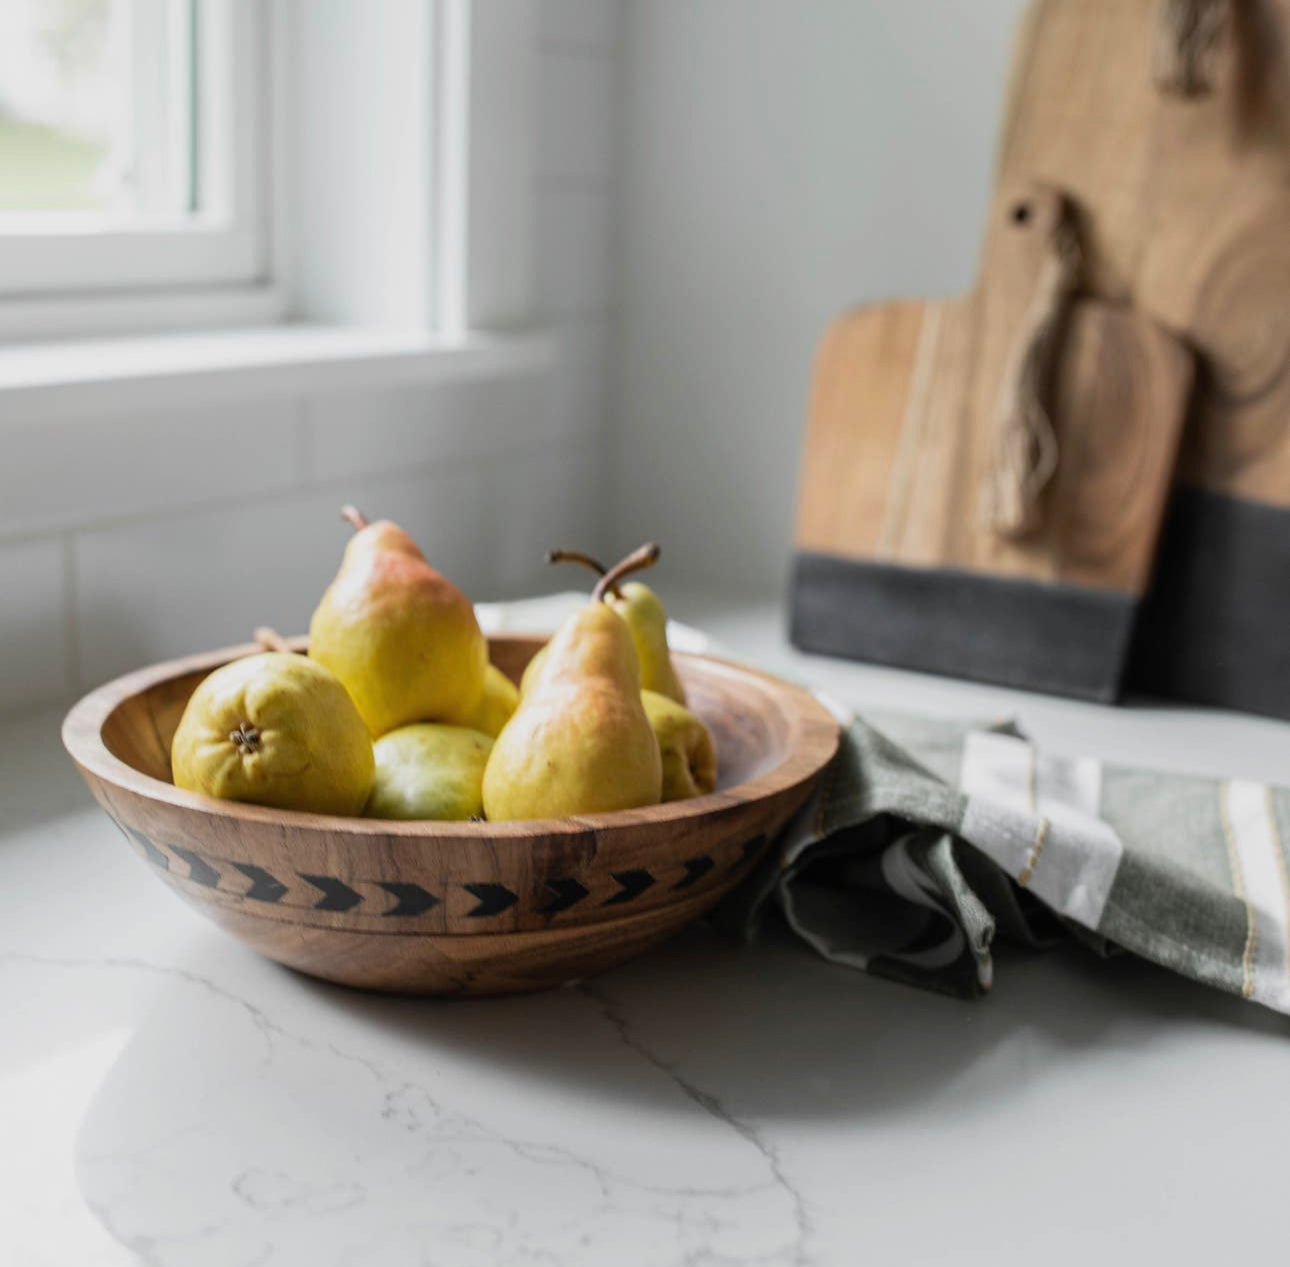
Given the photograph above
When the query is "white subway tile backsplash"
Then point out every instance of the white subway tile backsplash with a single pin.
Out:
(578, 393)
(151, 591)
(580, 23)
(370, 431)
(82, 471)
(451, 514)
(549, 500)
(572, 259)
(575, 105)
(353, 435)
(695, 465)
(33, 646)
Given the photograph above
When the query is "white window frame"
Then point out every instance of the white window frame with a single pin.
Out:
(458, 265)
(79, 254)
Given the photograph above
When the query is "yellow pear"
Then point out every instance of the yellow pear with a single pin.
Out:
(646, 618)
(499, 700)
(532, 669)
(579, 742)
(429, 771)
(401, 638)
(685, 744)
(275, 729)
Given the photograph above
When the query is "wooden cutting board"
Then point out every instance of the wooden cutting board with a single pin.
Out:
(897, 560)
(1186, 213)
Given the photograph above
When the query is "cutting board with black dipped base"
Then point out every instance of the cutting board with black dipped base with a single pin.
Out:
(896, 561)
(1186, 201)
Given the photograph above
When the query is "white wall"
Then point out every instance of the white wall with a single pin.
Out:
(125, 540)
(715, 180)
(780, 160)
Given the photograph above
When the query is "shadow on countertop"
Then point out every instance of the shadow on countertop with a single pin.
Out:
(789, 1035)
(262, 1114)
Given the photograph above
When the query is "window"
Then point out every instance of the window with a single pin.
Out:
(171, 166)
(132, 139)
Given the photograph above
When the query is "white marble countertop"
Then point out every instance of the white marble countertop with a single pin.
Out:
(168, 1097)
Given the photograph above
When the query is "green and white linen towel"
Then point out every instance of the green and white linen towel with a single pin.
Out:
(927, 839)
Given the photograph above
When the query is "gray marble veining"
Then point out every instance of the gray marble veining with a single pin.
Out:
(166, 1097)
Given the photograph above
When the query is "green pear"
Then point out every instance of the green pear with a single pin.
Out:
(532, 669)
(402, 639)
(580, 741)
(685, 744)
(646, 620)
(429, 771)
(274, 729)
(500, 699)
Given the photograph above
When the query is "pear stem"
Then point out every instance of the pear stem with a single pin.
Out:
(577, 556)
(353, 516)
(271, 640)
(642, 557)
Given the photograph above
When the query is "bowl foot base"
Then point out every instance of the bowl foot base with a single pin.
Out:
(445, 965)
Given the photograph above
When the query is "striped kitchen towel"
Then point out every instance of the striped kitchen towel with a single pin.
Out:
(928, 839)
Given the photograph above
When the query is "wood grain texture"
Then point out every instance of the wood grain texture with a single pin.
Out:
(1186, 205)
(902, 413)
(454, 907)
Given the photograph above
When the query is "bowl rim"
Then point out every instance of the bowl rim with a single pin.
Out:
(818, 737)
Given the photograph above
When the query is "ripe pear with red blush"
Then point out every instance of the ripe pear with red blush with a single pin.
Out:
(579, 742)
(402, 638)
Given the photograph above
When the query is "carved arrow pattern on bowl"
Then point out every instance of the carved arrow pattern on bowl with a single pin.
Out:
(633, 883)
(751, 848)
(568, 892)
(493, 899)
(150, 851)
(264, 887)
(411, 900)
(337, 895)
(695, 870)
(199, 870)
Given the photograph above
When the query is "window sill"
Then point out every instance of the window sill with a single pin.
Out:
(71, 379)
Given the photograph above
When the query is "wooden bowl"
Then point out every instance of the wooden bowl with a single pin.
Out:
(454, 908)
